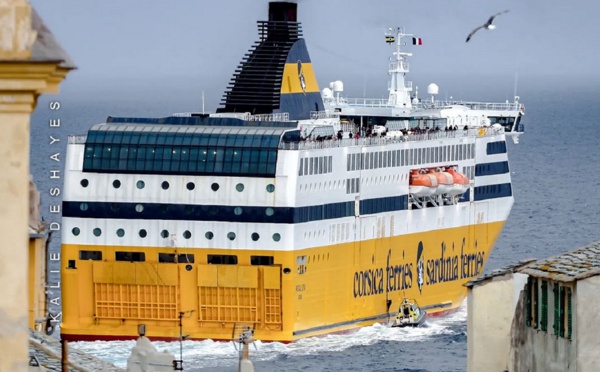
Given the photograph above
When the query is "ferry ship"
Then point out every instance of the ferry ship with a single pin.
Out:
(291, 210)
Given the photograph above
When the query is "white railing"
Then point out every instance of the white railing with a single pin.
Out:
(383, 102)
(76, 139)
(400, 66)
(278, 116)
(389, 139)
(326, 114)
(499, 106)
(368, 102)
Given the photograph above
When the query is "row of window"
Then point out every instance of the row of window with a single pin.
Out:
(76, 231)
(281, 215)
(537, 309)
(176, 258)
(398, 158)
(498, 147)
(315, 165)
(489, 169)
(218, 138)
(140, 184)
(110, 158)
(493, 191)
(353, 186)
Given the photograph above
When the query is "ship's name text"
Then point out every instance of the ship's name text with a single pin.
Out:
(448, 267)
(371, 281)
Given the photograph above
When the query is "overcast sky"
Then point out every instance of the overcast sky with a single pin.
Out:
(200, 43)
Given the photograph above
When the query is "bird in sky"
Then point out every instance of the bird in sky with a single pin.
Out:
(488, 25)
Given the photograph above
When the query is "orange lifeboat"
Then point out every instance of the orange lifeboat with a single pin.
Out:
(444, 179)
(460, 180)
(422, 184)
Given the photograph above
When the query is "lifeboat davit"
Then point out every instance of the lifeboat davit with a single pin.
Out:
(460, 182)
(422, 184)
(445, 181)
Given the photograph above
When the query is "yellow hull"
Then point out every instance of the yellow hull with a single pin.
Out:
(305, 293)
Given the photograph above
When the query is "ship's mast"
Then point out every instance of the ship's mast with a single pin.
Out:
(398, 87)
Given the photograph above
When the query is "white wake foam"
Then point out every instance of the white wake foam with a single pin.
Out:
(208, 353)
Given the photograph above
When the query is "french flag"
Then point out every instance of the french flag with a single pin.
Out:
(417, 41)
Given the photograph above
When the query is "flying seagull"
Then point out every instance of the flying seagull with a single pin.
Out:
(488, 25)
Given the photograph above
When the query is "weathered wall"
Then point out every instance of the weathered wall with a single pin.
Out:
(586, 327)
(21, 81)
(536, 350)
(490, 309)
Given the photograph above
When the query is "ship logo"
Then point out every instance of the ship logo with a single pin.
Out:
(420, 267)
(301, 77)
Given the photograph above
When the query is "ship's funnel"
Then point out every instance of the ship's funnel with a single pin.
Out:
(283, 11)
(276, 76)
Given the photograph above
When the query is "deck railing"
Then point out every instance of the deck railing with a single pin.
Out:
(364, 141)
(389, 139)
(384, 102)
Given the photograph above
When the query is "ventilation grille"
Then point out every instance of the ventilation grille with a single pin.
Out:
(256, 83)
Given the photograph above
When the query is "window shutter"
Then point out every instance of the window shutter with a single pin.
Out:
(569, 315)
(528, 302)
(536, 311)
(562, 312)
(544, 320)
(556, 308)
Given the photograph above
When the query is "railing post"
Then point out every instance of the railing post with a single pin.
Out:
(64, 355)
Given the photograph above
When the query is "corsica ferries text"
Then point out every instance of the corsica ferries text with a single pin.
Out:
(371, 281)
(444, 266)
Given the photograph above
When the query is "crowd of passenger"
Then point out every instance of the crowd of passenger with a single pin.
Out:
(371, 132)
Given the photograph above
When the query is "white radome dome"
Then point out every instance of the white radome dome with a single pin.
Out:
(326, 93)
(433, 89)
(338, 86)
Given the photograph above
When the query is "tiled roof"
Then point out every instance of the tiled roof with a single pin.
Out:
(567, 267)
(499, 272)
(46, 47)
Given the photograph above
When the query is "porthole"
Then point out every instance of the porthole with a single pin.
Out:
(190, 186)
(116, 184)
(76, 231)
(114, 207)
(143, 233)
(140, 184)
(83, 206)
(237, 211)
(276, 237)
(164, 208)
(120, 233)
(139, 208)
(84, 182)
(287, 270)
(269, 211)
(231, 236)
(239, 187)
(165, 185)
(189, 209)
(187, 234)
(97, 232)
(255, 236)
(214, 186)
(209, 235)
(270, 187)
(164, 234)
